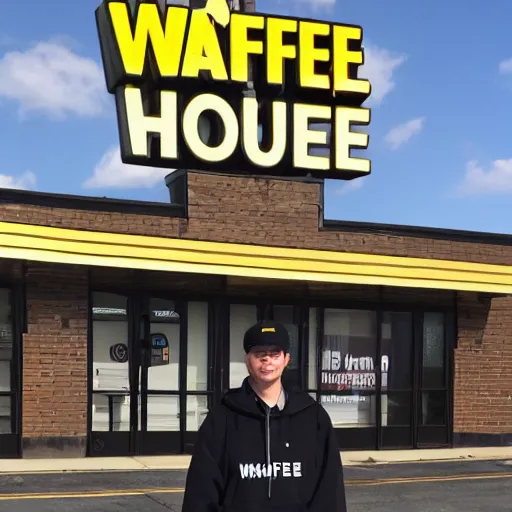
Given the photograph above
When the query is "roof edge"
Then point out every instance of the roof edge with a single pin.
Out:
(454, 235)
(90, 203)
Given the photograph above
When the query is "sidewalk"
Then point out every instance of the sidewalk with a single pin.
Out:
(181, 462)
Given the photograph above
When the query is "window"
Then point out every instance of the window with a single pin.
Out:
(197, 366)
(165, 325)
(5, 341)
(163, 410)
(433, 377)
(111, 384)
(348, 367)
(6, 370)
(396, 368)
(242, 316)
(433, 351)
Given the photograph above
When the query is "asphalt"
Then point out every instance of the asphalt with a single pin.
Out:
(474, 486)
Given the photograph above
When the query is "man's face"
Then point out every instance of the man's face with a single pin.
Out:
(266, 364)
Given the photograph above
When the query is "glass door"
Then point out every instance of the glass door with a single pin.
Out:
(151, 370)
(110, 362)
(433, 387)
(159, 405)
(135, 403)
(396, 361)
(10, 397)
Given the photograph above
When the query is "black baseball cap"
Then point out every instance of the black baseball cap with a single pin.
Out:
(267, 334)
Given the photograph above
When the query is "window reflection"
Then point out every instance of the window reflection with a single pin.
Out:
(348, 367)
(110, 343)
(111, 407)
(433, 371)
(197, 347)
(5, 340)
(165, 325)
(197, 409)
(5, 415)
(163, 413)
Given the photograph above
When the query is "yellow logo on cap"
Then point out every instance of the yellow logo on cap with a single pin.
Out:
(268, 329)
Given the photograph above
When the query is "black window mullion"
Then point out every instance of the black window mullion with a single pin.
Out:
(304, 345)
(17, 298)
(378, 376)
(182, 307)
(417, 375)
(319, 350)
(134, 309)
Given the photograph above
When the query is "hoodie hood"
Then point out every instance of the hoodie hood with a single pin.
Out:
(244, 401)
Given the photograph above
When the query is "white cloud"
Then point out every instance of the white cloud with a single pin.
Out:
(496, 180)
(506, 66)
(52, 79)
(111, 172)
(350, 186)
(401, 133)
(379, 66)
(26, 181)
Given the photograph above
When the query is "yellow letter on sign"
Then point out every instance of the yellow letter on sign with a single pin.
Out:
(203, 51)
(343, 58)
(309, 54)
(240, 45)
(167, 44)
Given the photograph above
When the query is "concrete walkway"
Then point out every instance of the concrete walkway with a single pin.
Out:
(180, 462)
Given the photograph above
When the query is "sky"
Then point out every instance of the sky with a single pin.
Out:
(440, 136)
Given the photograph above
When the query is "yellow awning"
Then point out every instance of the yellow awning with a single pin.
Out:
(61, 245)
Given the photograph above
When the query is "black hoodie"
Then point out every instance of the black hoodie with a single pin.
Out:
(250, 458)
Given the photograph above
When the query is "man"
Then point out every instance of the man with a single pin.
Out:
(266, 448)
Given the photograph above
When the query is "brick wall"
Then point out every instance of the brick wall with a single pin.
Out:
(55, 361)
(90, 220)
(483, 366)
(286, 213)
(260, 211)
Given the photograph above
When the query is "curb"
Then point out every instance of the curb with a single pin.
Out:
(181, 463)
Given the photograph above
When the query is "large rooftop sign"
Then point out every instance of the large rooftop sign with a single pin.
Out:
(235, 92)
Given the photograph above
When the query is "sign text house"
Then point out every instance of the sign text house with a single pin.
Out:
(181, 78)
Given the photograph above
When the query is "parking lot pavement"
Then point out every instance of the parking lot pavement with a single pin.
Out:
(419, 487)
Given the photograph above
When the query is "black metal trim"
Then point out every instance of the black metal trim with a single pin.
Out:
(451, 340)
(183, 370)
(320, 318)
(417, 375)
(90, 360)
(471, 439)
(93, 204)
(143, 346)
(454, 235)
(134, 314)
(19, 308)
(110, 413)
(304, 341)
(378, 373)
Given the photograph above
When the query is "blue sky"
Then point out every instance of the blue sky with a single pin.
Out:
(441, 132)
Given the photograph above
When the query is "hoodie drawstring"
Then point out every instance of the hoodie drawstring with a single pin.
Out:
(269, 461)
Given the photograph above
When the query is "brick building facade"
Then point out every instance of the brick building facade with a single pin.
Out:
(54, 407)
